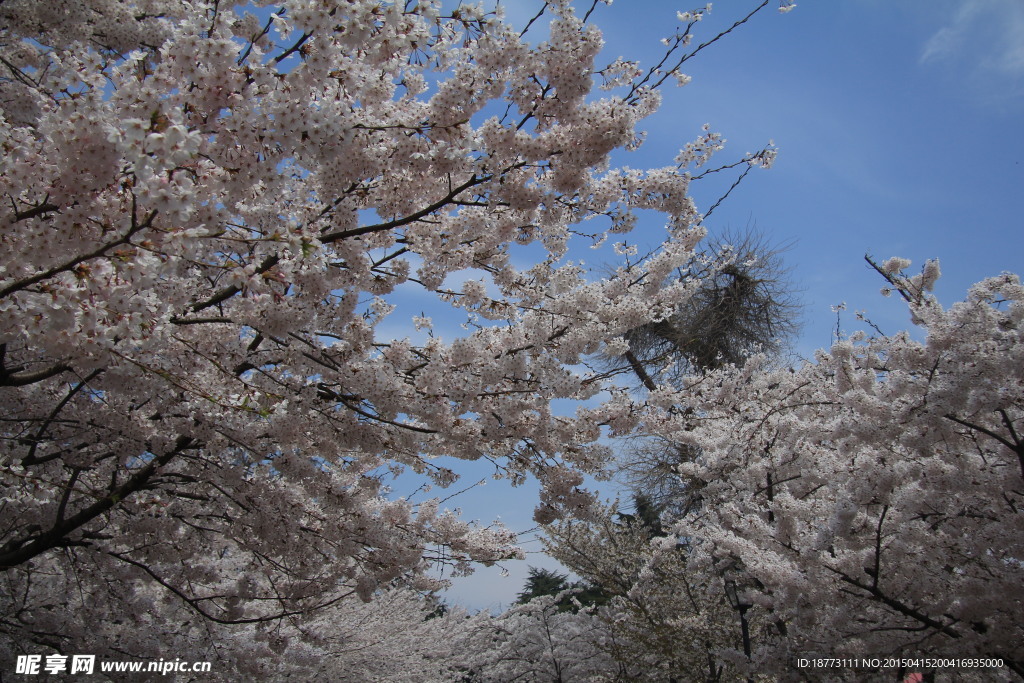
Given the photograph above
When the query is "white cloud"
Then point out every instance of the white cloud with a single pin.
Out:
(981, 34)
(1010, 57)
(950, 39)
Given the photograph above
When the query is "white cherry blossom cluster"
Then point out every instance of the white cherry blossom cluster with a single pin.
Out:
(537, 641)
(207, 210)
(871, 501)
(664, 618)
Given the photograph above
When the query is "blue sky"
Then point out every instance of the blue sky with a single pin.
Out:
(900, 127)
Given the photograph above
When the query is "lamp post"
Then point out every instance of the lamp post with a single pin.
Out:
(740, 606)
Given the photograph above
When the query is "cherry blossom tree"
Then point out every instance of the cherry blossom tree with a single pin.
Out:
(539, 641)
(869, 502)
(209, 211)
(662, 619)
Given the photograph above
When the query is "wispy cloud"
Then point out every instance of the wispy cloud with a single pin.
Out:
(981, 34)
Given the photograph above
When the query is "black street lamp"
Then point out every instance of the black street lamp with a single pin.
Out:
(740, 606)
